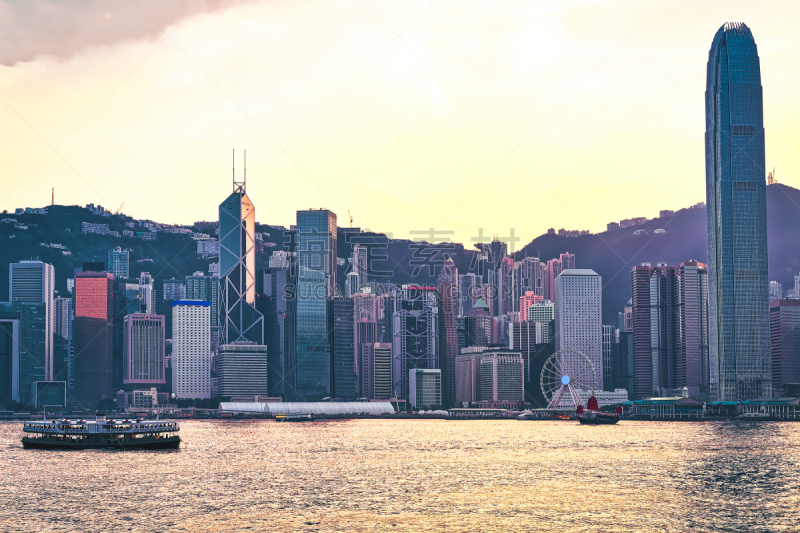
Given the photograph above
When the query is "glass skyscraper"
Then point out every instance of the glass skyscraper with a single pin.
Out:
(737, 219)
(238, 319)
(315, 285)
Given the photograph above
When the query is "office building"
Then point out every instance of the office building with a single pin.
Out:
(737, 219)
(62, 316)
(415, 334)
(623, 366)
(526, 300)
(365, 333)
(670, 328)
(479, 325)
(376, 371)
(119, 262)
(448, 339)
(143, 357)
(173, 289)
(242, 369)
(31, 282)
(501, 377)
(359, 267)
(23, 348)
(578, 297)
(147, 292)
(425, 388)
(93, 335)
(351, 284)
(344, 375)
(609, 341)
(775, 291)
(468, 292)
(784, 317)
(191, 349)
(309, 351)
(239, 321)
(468, 375)
(271, 303)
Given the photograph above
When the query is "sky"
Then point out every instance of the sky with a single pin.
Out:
(446, 116)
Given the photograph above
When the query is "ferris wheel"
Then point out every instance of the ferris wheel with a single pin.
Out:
(564, 373)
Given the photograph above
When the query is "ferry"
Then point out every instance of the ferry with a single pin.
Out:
(100, 433)
(294, 418)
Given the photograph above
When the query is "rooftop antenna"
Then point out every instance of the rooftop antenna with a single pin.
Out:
(239, 186)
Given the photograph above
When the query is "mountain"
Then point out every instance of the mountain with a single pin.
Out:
(612, 254)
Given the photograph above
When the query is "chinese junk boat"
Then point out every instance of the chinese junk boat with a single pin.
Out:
(592, 415)
(101, 433)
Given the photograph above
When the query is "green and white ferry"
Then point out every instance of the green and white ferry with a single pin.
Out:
(101, 433)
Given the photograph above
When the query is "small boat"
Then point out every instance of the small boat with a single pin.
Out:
(294, 418)
(759, 415)
(67, 434)
(592, 415)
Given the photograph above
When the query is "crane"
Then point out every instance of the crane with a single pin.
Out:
(351, 218)
(119, 209)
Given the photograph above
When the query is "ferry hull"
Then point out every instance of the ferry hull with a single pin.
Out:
(143, 443)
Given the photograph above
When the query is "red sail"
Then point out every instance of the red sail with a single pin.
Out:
(619, 410)
(592, 405)
(579, 410)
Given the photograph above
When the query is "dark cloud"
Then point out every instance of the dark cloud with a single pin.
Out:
(32, 28)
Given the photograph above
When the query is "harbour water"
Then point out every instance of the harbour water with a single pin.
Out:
(403, 475)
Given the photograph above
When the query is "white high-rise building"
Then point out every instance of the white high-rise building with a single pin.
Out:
(578, 311)
(119, 262)
(33, 282)
(62, 315)
(147, 293)
(191, 349)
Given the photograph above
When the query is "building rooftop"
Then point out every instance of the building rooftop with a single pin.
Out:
(578, 272)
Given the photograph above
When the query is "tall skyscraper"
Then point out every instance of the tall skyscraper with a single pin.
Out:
(609, 340)
(376, 371)
(143, 359)
(271, 303)
(737, 218)
(238, 318)
(93, 334)
(191, 349)
(23, 341)
(173, 289)
(447, 292)
(344, 379)
(34, 281)
(147, 292)
(578, 308)
(670, 328)
(310, 351)
(119, 262)
(415, 335)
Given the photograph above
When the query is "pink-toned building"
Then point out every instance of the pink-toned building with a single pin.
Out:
(526, 301)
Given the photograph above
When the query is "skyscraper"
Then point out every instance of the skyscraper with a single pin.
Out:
(143, 360)
(271, 303)
(310, 353)
(238, 318)
(147, 292)
(376, 371)
(119, 262)
(191, 349)
(34, 281)
(415, 335)
(345, 381)
(23, 334)
(785, 342)
(93, 334)
(578, 297)
(737, 218)
(448, 340)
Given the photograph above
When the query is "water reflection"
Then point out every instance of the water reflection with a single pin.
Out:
(376, 475)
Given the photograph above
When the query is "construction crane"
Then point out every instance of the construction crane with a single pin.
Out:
(351, 218)
(119, 209)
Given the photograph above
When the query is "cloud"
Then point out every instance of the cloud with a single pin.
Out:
(34, 28)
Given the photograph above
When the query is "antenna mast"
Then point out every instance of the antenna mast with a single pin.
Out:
(239, 186)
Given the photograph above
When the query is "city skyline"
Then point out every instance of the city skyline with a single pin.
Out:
(435, 137)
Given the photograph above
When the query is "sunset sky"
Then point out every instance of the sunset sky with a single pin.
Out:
(443, 114)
